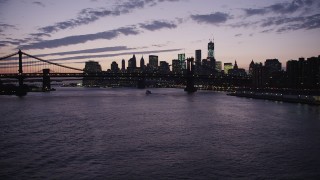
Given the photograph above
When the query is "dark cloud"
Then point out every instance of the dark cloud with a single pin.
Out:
(113, 55)
(238, 35)
(283, 24)
(9, 41)
(35, 42)
(38, 3)
(285, 16)
(12, 42)
(214, 18)
(309, 22)
(266, 31)
(90, 15)
(283, 8)
(39, 35)
(4, 27)
(156, 25)
(244, 24)
(88, 51)
(83, 19)
(71, 40)
(251, 12)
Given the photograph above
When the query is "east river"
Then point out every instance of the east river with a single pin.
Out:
(120, 133)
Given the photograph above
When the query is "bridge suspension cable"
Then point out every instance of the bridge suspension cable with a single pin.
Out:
(56, 64)
(8, 56)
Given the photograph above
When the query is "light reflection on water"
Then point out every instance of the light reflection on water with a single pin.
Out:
(76, 133)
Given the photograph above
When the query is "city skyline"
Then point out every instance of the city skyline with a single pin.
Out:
(115, 30)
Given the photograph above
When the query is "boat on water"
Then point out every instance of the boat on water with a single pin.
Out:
(148, 92)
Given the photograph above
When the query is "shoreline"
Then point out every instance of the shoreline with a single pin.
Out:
(303, 99)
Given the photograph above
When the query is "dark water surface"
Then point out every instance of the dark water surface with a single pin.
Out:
(77, 133)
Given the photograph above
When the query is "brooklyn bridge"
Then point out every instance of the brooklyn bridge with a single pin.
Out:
(23, 67)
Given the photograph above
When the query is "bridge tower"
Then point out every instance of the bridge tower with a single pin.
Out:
(20, 75)
(46, 85)
(190, 79)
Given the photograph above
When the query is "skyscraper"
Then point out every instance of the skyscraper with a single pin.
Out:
(153, 63)
(123, 65)
(114, 67)
(211, 49)
(198, 62)
(176, 66)
(164, 67)
(236, 71)
(198, 56)
(92, 67)
(132, 64)
(273, 64)
(142, 64)
(227, 67)
(182, 60)
(211, 58)
(205, 67)
(235, 65)
(218, 66)
(251, 67)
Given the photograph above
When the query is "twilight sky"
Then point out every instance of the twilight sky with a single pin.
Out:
(77, 31)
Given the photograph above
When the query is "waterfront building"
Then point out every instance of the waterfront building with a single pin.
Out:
(211, 57)
(235, 65)
(212, 62)
(176, 66)
(313, 72)
(236, 71)
(260, 76)
(218, 66)
(164, 67)
(251, 67)
(273, 64)
(198, 57)
(211, 49)
(132, 64)
(153, 63)
(182, 60)
(114, 67)
(92, 67)
(227, 67)
(142, 66)
(198, 62)
(205, 68)
(123, 65)
(304, 73)
(295, 73)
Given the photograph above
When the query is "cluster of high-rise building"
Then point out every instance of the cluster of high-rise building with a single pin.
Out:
(302, 73)
(205, 66)
(299, 74)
